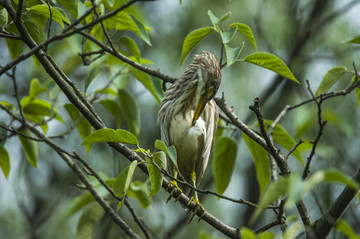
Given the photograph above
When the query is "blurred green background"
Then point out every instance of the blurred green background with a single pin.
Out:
(310, 36)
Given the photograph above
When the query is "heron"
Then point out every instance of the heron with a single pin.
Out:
(188, 118)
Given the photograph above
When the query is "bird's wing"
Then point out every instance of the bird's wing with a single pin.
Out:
(164, 124)
(211, 116)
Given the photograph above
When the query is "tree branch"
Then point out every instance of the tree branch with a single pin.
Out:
(323, 225)
(280, 159)
(57, 75)
(321, 128)
(65, 156)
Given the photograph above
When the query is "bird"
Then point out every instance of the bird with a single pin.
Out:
(188, 118)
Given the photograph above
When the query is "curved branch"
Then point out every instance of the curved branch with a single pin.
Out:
(323, 225)
(112, 51)
(77, 170)
(58, 76)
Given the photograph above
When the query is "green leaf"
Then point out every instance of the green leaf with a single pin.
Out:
(337, 120)
(271, 62)
(85, 199)
(124, 21)
(355, 40)
(330, 78)
(221, 128)
(338, 177)
(170, 151)
(298, 188)
(41, 20)
(130, 110)
(293, 230)
(71, 6)
(140, 191)
(121, 21)
(4, 161)
(109, 3)
(131, 45)
(63, 14)
(173, 154)
(143, 29)
(224, 162)
(107, 91)
(147, 82)
(232, 54)
(247, 233)
(282, 137)
(113, 108)
(87, 222)
(78, 203)
(343, 227)
(156, 177)
(97, 32)
(14, 46)
(35, 109)
(122, 182)
(43, 10)
(228, 35)
(266, 235)
(225, 16)
(36, 61)
(321, 176)
(246, 31)
(295, 190)
(36, 87)
(273, 192)
(7, 105)
(192, 39)
(83, 126)
(214, 20)
(3, 17)
(110, 135)
(357, 90)
(30, 147)
(261, 160)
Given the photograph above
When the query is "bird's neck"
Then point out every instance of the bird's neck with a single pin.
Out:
(191, 96)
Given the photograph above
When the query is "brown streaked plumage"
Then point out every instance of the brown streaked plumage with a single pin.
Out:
(188, 117)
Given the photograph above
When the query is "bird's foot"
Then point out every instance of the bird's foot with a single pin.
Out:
(198, 206)
(171, 188)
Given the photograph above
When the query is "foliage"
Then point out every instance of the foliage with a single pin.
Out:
(89, 83)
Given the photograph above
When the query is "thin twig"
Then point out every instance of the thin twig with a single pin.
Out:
(280, 160)
(50, 22)
(268, 226)
(102, 182)
(66, 157)
(319, 134)
(294, 148)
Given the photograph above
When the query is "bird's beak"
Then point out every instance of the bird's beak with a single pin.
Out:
(199, 108)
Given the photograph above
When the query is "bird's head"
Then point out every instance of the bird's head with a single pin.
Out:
(209, 77)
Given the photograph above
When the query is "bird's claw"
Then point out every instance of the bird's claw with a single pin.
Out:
(196, 208)
(171, 188)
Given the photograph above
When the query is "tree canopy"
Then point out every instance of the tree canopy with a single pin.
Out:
(80, 86)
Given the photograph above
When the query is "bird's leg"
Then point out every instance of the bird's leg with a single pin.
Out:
(174, 185)
(195, 199)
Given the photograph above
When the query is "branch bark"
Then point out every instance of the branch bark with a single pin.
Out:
(79, 173)
(58, 76)
(323, 225)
